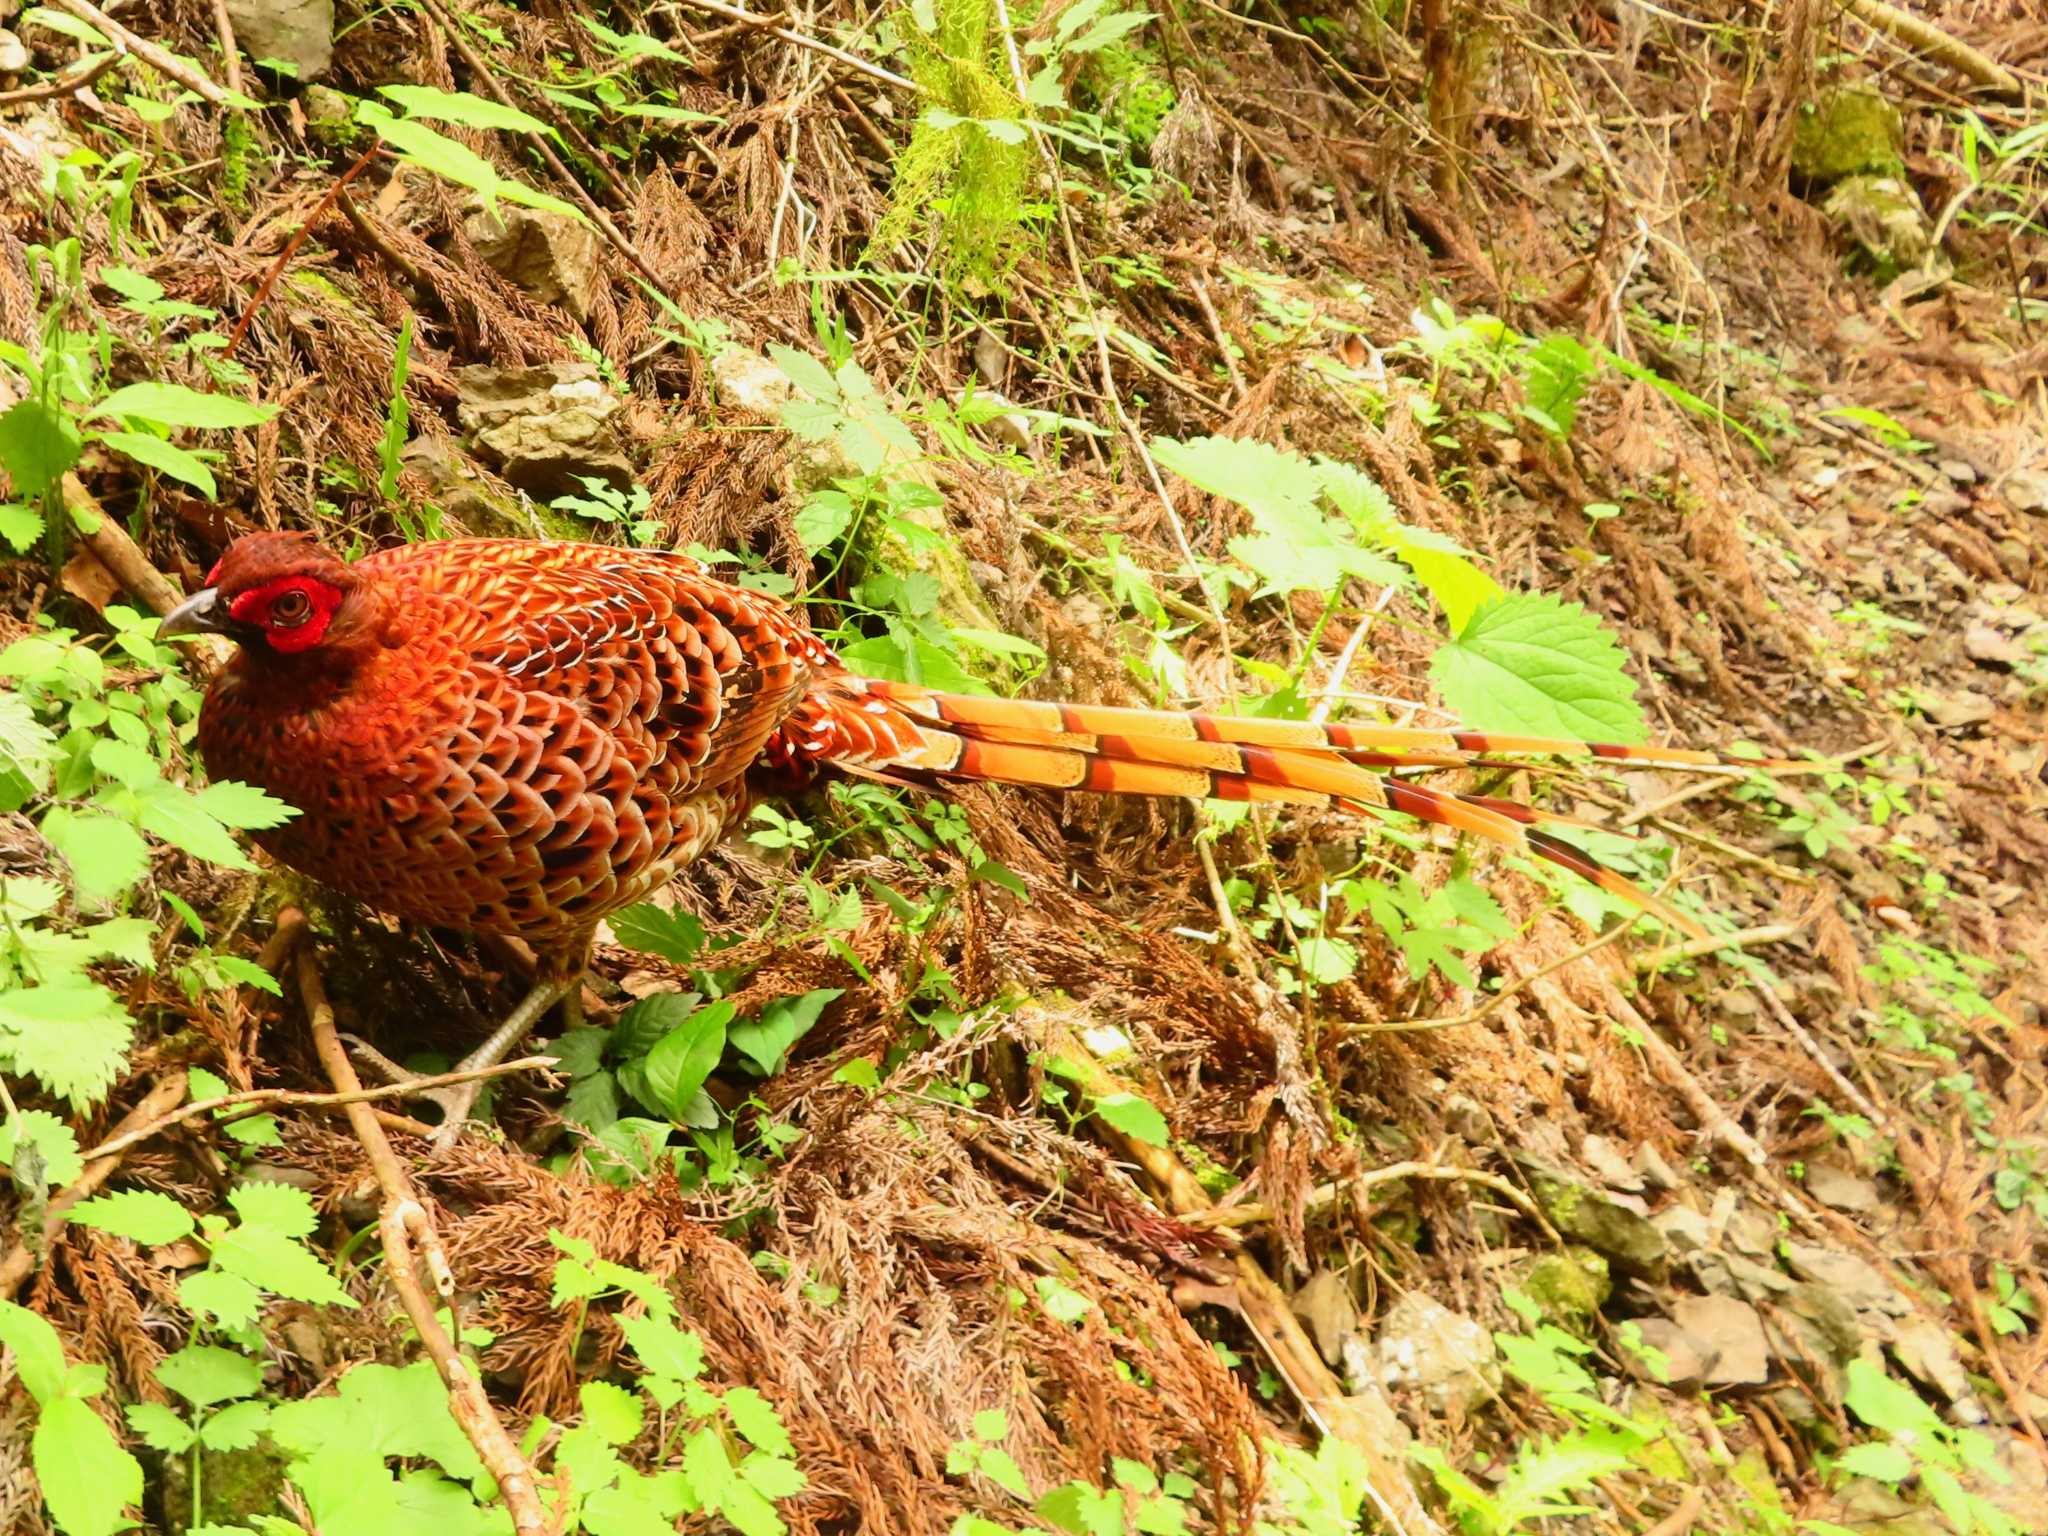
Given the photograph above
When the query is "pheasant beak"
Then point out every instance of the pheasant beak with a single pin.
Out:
(199, 614)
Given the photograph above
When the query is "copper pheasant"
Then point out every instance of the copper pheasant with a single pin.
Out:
(521, 738)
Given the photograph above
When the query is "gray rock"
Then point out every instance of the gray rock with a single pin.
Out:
(299, 33)
(14, 55)
(1733, 1333)
(543, 427)
(747, 381)
(1686, 1230)
(1928, 1354)
(1605, 1159)
(1989, 647)
(2026, 490)
(1840, 1190)
(460, 488)
(1851, 1279)
(1423, 1344)
(1326, 1309)
(1686, 1357)
(1656, 1172)
(548, 255)
(1957, 709)
(1838, 1330)
(1600, 1222)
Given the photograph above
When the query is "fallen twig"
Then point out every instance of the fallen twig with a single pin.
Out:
(775, 28)
(1930, 42)
(409, 1237)
(155, 55)
(20, 1262)
(291, 246)
(1715, 943)
(66, 85)
(252, 1099)
(231, 65)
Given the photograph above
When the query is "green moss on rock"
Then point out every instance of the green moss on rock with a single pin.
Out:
(1848, 132)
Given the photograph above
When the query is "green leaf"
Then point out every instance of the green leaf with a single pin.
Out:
(1554, 374)
(1885, 1404)
(612, 1412)
(663, 1348)
(278, 1264)
(444, 157)
(1081, 1510)
(38, 444)
(823, 518)
(755, 1417)
(1881, 1460)
(1535, 665)
(991, 1426)
(106, 854)
(1326, 961)
(675, 936)
(53, 1141)
(176, 815)
(773, 1477)
(1062, 1303)
(205, 1374)
(280, 1208)
(379, 1411)
(38, 1353)
(27, 746)
(20, 525)
(766, 1040)
(160, 1428)
(229, 1300)
(173, 405)
(88, 1481)
(71, 1034)
(244, 806)
(688, 1054)
(707, 1466)
(165, 458)
(140, 1215)
(236, 1427)
(1138, 1118)
(462, 109)
(126, 764)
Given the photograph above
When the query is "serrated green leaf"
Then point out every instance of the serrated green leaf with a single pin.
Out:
(675, 936)
(27, 746)
(244, 806)
(707, 1466)
(1138, 1118)
(611, 1412)
(106, 854)
(280, 1208)
(663, 1348)
(229, 1300)
(159, 1427)
(176, 815)
(280, 1265)
(687, 1055)
(88, 1481)
(52, 1139)
(1326, 961)
(444, 157)
(140, 1215)
(165, 458)
(1878, 1459)
(173, 405)
(205, 1374)
(379, 1411)
(38, 444)
(38, 1353)
(1535, 665)
(755, 1417)
(236, 1427)
(773, 1477)
(130, 766)
(72, 1035)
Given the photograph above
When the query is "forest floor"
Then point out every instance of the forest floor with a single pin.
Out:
(1084, 1165)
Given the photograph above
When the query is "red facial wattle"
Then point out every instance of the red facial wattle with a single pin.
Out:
(271, 608)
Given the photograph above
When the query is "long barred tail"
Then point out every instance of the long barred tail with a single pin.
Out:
(869, 725)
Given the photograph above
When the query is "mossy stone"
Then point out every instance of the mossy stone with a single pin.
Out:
(1848, 132)
(1570, 1285)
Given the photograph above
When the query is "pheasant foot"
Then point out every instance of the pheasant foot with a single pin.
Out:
(456, 1100)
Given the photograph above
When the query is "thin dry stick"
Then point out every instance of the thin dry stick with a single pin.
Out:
(409, 1236)
(291, 246)
(19, 1263)
(158, 58)
(1474, 1015)
(251, 1099)
(225, 26)
(1715, 943)
(1925, 38)
(65, 85)
(1253, 1212)
(775, 28)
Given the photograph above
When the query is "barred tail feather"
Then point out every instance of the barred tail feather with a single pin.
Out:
(874, 726)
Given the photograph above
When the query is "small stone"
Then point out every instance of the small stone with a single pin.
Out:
(1685, 1229)
(1326, 1309)
(298, 34)
(14, 55)
(1751, 1231)
(1685, 1360)
(1605, 1159)
(1927, 1353)
(1838, 1326)
(547, 255)
(1854, 1281)
(1733, 1333)
(2026, 490)
(545, 428)
(1422, 1343)
(1958, 709)
(1840, 1190)
(1570, 1285)
(747, 381)
(1600, 1222)
(1961, 471)
(1656, 1172)
(1990, 648)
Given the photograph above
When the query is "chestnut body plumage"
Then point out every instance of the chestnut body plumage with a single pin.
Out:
(522, 737)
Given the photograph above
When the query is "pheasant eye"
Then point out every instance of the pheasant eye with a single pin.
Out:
(290, 609)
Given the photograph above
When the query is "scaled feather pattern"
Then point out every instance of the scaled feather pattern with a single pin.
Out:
(522, 737)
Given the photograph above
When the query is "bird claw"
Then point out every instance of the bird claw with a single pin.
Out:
(456, 1100)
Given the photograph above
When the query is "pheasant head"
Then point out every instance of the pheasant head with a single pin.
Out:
(282, 595)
